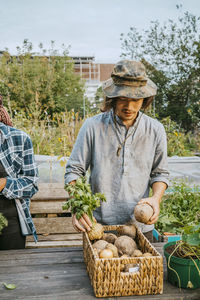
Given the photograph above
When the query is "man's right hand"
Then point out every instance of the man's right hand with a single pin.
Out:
(82, 224)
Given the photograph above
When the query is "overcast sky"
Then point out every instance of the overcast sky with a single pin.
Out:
(91, 27)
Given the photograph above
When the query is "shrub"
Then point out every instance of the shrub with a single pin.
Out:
(179, 209)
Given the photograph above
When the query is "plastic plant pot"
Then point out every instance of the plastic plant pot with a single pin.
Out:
(188, 273)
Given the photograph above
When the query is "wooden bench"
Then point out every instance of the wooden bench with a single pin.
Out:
(53, 225)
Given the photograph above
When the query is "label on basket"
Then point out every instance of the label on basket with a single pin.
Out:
(134, 269)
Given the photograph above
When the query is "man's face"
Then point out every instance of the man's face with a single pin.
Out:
(127, 109)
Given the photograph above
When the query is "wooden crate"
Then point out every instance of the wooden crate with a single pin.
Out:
(53, 225)
(108, 278)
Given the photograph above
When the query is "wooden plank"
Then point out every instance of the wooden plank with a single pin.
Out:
(46, 257)
(44, 281)
(20, 254)
(46, 206)
(59, 296)
(56, 237)
(47, 244)
(54, 225)
(50, 191)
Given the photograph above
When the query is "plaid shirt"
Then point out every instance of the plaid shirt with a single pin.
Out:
(17, 157)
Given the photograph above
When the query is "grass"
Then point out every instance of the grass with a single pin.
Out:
(56, 135)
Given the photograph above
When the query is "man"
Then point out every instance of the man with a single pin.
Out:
(125, 149)
(18, 183)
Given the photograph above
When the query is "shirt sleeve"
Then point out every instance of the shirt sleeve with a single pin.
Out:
(160, 170)
(25, 185)
(80, 157)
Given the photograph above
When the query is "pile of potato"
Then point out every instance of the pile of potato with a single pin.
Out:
(121, 245)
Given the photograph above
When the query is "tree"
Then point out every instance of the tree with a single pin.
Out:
(46, 78)
(171, 54)
(98, 100)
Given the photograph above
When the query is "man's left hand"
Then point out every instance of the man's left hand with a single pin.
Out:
(154, 202)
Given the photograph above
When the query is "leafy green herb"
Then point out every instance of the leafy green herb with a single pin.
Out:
(81, 199)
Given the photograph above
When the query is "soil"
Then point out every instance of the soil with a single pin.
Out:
(178, 253)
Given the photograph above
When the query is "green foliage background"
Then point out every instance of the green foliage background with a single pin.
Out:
(46, 79)
(171, 54)
(179, 209)
(45, 97)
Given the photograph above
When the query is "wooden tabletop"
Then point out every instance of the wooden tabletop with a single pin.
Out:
(60, 274)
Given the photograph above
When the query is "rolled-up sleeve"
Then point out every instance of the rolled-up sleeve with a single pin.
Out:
(160, 170)
(80, 157)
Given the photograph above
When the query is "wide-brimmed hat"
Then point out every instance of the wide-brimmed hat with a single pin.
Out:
(129, 80)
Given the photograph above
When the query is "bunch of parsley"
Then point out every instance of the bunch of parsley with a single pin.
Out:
(81, 199)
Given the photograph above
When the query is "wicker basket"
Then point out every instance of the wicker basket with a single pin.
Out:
(108, 279)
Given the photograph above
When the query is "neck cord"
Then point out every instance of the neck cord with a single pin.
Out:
(121, 144)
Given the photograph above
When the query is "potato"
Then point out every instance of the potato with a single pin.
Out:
(147, 254)
(109, 237)
(106, 253)
(125, 245)
(136, 253)
(143, 212)
(113, 248)
(100, 245)
(124, 256)
(96, 252)
(128, 230)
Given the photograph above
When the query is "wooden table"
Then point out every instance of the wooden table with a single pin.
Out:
(60, 274)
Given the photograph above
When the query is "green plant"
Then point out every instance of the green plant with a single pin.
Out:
(179, 209)
(46, 77)
(3, 222)
(170, 52)
(51, 135)
(83, 201)
(191, 235)
(178, 142)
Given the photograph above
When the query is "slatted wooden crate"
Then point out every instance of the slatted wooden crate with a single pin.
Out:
(53, 225)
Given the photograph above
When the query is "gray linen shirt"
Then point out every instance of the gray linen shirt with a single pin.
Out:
(124, 179)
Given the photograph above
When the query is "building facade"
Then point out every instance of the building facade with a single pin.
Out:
(93, 73)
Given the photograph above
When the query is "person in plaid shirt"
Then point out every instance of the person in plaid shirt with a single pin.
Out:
(18, 183)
